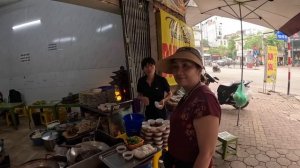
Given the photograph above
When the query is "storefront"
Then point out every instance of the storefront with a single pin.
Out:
(295, 43)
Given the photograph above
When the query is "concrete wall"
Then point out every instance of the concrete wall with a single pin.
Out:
(73, 49)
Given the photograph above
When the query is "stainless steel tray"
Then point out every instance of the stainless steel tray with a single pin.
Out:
(115, 160)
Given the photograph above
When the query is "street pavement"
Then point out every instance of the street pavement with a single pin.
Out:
(268, 131)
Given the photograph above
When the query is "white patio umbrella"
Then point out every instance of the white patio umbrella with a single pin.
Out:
(282, 15)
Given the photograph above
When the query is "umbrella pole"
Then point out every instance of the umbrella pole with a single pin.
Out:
(238, 119)
(242, 62)
(242, 38)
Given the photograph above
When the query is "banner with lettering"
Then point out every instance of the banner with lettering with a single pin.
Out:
(174, 34)
(272, 64)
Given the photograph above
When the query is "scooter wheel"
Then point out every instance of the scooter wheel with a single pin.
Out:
(242, 106)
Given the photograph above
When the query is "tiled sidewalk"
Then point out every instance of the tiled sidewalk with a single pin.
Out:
(268, 131)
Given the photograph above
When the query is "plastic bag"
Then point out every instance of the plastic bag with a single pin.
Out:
(240, 96)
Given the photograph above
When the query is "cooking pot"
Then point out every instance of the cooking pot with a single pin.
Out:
(53, 124)
(84, 150)
(36, 137)
(49, 139)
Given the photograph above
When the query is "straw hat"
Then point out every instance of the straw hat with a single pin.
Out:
(187, 53)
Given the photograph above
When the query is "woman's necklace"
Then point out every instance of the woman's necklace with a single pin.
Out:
(185, 97)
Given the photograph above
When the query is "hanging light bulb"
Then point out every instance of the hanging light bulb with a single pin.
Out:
(118, 93)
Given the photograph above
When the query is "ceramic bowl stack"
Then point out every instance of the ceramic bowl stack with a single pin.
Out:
(156, 132)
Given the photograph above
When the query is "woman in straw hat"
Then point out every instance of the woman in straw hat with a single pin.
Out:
(195, 122)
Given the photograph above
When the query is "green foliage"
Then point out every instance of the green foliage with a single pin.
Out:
(231, 47)
(254, 41)
(272, 40)
(250, 42)
(221, 50)
(133, 140)
(205, 43)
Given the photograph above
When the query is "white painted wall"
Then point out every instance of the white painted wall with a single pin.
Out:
(86, 61)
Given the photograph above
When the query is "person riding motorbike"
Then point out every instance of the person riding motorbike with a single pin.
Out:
(215, 67)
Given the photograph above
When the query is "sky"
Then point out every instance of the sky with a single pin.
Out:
(231, 26)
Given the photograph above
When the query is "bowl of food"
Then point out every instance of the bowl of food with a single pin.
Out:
(36, 137)
(127, 155)
(145, 123)
(151, 122)
(159, 122)
(121, 148)
(145, 128)
(162, 128)
(134, 142)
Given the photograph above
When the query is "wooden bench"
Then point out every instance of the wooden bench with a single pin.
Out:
(228, 144)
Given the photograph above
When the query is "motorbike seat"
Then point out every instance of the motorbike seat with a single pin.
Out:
(226, 86)
(223, 87)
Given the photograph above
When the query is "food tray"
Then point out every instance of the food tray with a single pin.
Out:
(113, 159)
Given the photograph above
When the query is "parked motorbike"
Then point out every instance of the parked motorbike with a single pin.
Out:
(226, 92)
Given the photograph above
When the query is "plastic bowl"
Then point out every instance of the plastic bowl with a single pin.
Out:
(165, 136)
(121, 149)
(148, 137)
(145, 123)
(162, 128)
(146, 128)
(158, 134)
(127, 155)
(157, 138)
(151, 122)
(148, 133)
(158, 142)
(36, 141)
(159, 121)
(167, 122)
(157, 105)
(167, 131)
